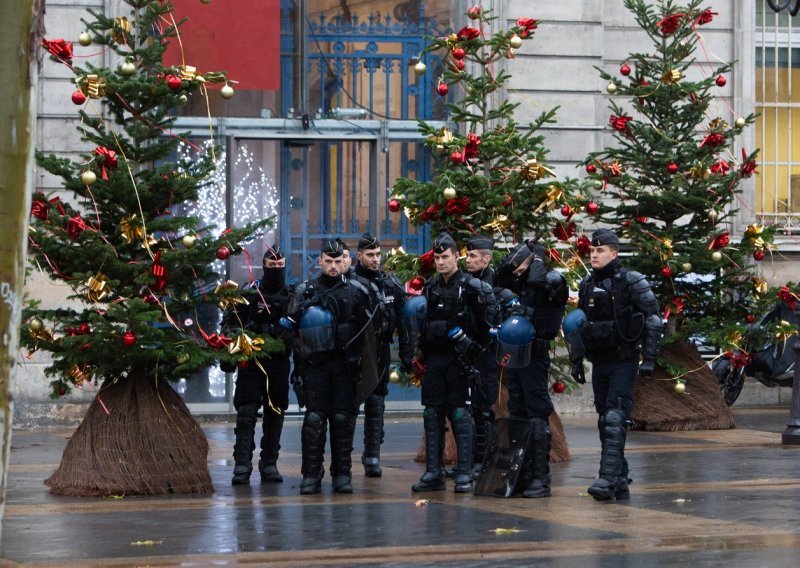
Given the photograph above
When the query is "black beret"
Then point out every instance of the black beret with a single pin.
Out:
(367, 241)
(518, 254)
(480, 242)
(345, 246)
(604, 237)
(274, 252)
(443, 242)
(332, 248)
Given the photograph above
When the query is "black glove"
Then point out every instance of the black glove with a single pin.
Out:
(646, 368)
(577, 373)
(537, 250)
(406, 366)
(227, 366)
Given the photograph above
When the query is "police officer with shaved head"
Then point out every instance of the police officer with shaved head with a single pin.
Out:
(460, 312)
(330, 314)
(391, 296)
(622, 324)
(543, 295)
(266, 386)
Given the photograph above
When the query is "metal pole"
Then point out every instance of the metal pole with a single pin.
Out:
(791, 435)
(299, 60)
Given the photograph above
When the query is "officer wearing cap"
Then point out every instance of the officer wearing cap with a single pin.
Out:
(485, 393)
(623, 323)
(543, 296)
(460, 311)
(323, 365)
(268, 386)
(391, 297)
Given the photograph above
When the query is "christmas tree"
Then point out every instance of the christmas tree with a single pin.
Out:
(136, 269)
(490, 174)
(670, 185)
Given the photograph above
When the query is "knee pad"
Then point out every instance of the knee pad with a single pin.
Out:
(340, 420)
(374, 404)
(614, 422)
(315, 419)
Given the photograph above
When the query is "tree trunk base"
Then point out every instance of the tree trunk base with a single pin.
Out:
(148, 443)
(559, 451)
(657, 407)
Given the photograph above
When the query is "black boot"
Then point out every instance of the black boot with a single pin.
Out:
(343, 426)
(484, 430)
(315, 425)
(611, 482)
(464, 434)
(244, 445)
(272, 426)
(539, 459)
(433, 478)
(374, 407)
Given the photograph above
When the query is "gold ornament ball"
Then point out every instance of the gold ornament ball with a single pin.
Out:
(36, 324)
(716, 256)
(611, 88)
(85, 39)
(189, 240)
(182, 359)
(686, 266)
(449, 193)
(226, 92)
(420, 68)
(88, 177)
(740, 122)
(680, 388)
(712, 214)
(598, 184)
(394, 376)
(127, 69)
(515, 41)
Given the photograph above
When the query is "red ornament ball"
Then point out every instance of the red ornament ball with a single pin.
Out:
(721, 81)
(566, 211)
(625, 69)
(394, 205)
(62, 391)
(442, 88)
(416, 283)
(243, 364)
(460, 65)
(457, 157)
(78, 98)
(592, 208)
(672, 168)
(508, 201)
(174, 82)
(666, 272)
(559, 387)
(84, 329)
(223, 253)
(750, 318)
(128, 339)
(641, 220)
(758, 255)
(474, 12)
(591, 168)
(458, 53)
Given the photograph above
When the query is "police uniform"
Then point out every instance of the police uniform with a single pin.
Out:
(460, 301)
(623, 322)
(267, 299)
(486, 391)
(391, 299)
(542, 295)
(329, 375)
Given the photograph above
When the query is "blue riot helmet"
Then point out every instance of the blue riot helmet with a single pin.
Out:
(572, 324)
(415, 311)
(514, 341)
(315, 328)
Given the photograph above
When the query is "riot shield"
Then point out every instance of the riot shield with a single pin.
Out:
(367, 372)
(504, 462)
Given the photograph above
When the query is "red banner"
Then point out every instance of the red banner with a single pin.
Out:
(241, 37)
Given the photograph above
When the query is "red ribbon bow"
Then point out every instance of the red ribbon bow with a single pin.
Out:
(60, 49)
(527, 25)
(720, 241)
(670, 24)
(75, 226)
(109, 159)
(785, 294)
(160, 272)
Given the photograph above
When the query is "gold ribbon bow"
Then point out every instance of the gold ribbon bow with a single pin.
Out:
(554, 193)
(244, 345)
(121, 27)
(785, 331)
(442, 138)
(131, 231)
(188, 73)
(532, 170)
(92, 86)
(671, 76)
(498, 224)
(98, 289)
(79, 374)
(226, 302)
(760, 286)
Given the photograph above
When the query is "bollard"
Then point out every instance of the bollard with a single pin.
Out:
(791, 435)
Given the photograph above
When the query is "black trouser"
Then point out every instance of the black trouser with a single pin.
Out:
(612, 383)
(528, 395)
(445, 383)
(484, 395)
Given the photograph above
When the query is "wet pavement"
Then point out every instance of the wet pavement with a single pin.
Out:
(709, 498)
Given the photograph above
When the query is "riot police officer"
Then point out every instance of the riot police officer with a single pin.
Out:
(391, 296)
(267, 299)
(622, 322)
(543, 296)
(479, 258)
(331, 313)
(460, 312)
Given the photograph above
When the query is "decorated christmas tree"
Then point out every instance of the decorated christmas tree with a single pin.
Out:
(135, 269)
(490, 174)
(670, 186)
